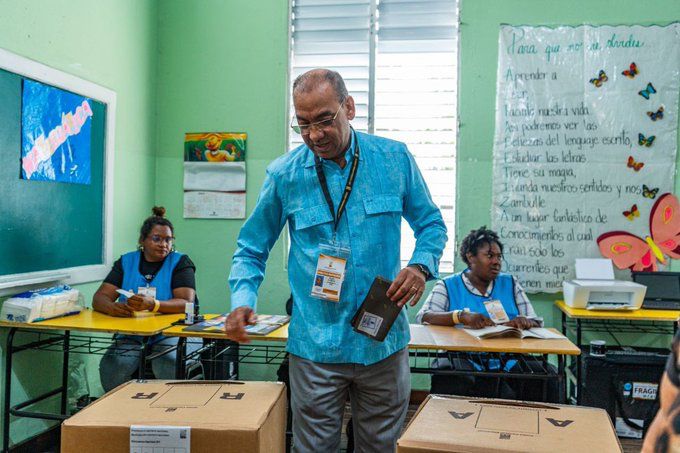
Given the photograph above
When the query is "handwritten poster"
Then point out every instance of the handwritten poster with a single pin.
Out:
(585, 140)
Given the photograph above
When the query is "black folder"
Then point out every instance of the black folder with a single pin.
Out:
(377, 312)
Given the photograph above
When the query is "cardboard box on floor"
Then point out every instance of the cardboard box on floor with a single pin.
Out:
(225, 416)
(457, 424)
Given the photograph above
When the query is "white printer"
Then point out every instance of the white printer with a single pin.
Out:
(595, 288)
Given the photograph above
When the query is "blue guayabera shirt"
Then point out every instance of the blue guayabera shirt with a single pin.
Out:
(388, 186)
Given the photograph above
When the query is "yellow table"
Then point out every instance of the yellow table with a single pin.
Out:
(621, 315)
(143, 324)
(607, 320)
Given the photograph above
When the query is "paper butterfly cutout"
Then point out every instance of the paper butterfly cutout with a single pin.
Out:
(658, 115)
(649, 193)
(632, 72)
(646, 141)
(647, 91)
(601, 78)
(634, 165)
(630, 215)
(628, 251)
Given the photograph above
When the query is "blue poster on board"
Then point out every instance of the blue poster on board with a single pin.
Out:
(56, 127)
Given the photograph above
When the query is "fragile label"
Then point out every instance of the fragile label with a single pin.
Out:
(644, 391)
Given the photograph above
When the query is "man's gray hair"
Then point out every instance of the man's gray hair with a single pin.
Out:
(310, 79)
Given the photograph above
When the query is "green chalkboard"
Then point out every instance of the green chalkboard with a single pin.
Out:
(47, 225)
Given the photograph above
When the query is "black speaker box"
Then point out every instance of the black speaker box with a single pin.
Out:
(625, 384)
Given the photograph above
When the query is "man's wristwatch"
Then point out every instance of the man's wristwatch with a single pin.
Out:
(422, 269)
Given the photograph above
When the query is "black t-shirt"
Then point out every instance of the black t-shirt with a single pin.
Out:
(183, 276)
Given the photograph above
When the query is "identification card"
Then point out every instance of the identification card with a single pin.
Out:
(149, 291)
(330, 272)
(496, 311)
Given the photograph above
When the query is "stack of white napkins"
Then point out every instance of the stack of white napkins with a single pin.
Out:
(41, 304)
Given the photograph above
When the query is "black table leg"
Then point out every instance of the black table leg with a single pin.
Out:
(9, 350)
(579, 393)
(64, 372)
(180, 366)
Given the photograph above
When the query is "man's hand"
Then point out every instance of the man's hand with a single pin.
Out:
(409, 284)
(119, 310)
(521, 323)
(235, 325)
(475, 320)
(140, 303)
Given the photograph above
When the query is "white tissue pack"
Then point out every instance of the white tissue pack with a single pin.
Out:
(41, 304)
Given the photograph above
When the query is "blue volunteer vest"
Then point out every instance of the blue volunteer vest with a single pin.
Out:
(133, 279)
(461, 298)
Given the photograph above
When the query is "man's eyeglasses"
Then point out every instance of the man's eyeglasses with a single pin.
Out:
(158, 239)
(306, 129)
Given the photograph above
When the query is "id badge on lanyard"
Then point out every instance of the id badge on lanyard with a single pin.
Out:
(331, 264)
(330, 272)
(149, 291)
(496, 311)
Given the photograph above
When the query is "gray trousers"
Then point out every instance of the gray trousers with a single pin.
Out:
(378, 393)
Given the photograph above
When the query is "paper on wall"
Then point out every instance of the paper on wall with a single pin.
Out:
(214, 205)
(219, 176)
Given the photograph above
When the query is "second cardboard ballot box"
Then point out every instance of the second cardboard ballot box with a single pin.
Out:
(189, 416)
(459, 424)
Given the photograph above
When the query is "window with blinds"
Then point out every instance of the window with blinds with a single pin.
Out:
(399, 59)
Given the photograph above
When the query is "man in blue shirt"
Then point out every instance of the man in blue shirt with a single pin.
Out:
(346, 192)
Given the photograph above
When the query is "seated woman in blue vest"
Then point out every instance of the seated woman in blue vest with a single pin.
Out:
(460, 299)
(163, 281)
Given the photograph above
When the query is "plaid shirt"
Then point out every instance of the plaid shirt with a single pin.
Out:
(438, 300)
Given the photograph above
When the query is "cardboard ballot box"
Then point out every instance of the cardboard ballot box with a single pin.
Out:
(205, 416)
(459, 424)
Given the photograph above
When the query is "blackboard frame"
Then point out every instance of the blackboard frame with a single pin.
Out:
(24, 67)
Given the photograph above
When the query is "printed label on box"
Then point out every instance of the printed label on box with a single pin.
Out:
(160, 439)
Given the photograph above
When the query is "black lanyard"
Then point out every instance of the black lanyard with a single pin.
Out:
(348, 185)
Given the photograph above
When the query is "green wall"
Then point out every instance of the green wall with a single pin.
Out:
(111, 43)
(222, 68)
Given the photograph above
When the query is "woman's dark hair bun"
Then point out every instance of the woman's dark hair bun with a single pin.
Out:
(158, 211)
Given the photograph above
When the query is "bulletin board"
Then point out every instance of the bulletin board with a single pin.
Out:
(58, 229)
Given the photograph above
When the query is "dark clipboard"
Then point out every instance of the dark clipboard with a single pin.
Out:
(377, 312)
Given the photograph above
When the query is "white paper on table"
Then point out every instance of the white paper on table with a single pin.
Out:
(214, 205)
(218, 176)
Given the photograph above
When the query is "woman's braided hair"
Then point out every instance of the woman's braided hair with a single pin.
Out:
(476, 239)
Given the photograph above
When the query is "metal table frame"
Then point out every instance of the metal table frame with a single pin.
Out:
(577, 326)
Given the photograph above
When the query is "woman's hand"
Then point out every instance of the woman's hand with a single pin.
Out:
(475, 320)
(119, 310)
(521, 323)
(141, 303)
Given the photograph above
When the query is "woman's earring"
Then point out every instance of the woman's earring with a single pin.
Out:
(140, 247)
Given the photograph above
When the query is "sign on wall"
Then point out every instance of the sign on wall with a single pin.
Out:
(585, 140)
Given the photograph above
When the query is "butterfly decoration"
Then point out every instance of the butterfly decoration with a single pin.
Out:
(629, 251)
(634, 165)
(632, 72)
(600, 79)
(647, 91)
(658, 115)
(646, 141)
(630, 215)
(648, 192)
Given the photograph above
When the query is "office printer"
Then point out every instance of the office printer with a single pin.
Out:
(596, 289)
